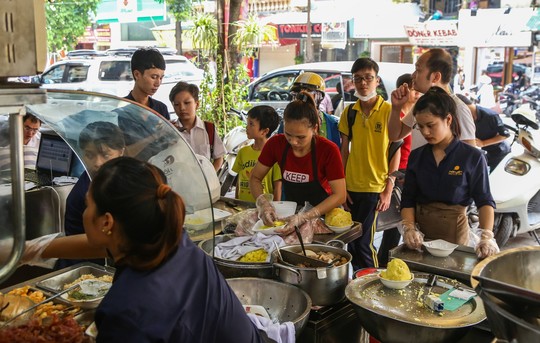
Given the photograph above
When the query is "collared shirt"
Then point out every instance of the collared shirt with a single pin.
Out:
(154, 104)
(488, 125)
(198, 138)
(460, 177)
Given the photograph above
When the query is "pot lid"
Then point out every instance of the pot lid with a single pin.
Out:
(369, 293)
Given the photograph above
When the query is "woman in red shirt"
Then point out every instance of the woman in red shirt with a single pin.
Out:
(310, 165)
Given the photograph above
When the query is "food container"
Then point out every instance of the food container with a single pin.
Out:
(202, 220)
(440, 247)
(339, 229)
(56, 283)
(97, 290)
(325, 285)
(396, 316)
(284, 208)
(393, 284)
(260, 227)
(283, 302)
(235, 269)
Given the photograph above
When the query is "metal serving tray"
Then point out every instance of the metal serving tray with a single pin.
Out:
(56, 283)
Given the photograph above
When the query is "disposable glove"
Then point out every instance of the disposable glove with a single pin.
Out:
(297, 220)
(265, 209)
(487, 245)
(412, 237)
(34, 249)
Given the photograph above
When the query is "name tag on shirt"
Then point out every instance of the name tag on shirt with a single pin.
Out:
(295, 177)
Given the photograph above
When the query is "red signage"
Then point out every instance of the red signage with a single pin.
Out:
(295, 31)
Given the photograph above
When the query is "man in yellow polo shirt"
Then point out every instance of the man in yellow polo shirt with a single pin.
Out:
(367, 171)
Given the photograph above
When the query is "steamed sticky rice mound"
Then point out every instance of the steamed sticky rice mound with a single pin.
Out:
(338, 217)
(397, 270)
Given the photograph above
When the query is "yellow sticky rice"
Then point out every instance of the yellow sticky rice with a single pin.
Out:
(258, 255)
(397, 270)
(338, 217)
(276, 223)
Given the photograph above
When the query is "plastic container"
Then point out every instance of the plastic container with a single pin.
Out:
(284, 208)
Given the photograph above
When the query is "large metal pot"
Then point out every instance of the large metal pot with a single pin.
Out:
(283, 302)
(394, 316)
(326, 285)
(234, 269)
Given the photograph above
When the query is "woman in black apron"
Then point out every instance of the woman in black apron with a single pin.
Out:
(444, 177)
(311, 166)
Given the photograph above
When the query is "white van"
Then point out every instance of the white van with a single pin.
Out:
(273, 87)
(112, 75)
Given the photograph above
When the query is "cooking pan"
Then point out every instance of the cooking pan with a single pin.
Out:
(325, 285)
(394, 316)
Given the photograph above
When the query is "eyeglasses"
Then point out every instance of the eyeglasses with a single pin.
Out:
(30, 129)
(366, 78)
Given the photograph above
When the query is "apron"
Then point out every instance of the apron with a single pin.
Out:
(440, 221)
(311, 191)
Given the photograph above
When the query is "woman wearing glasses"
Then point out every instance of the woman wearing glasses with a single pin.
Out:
(310, 165)
(443, 177)
(31, 138)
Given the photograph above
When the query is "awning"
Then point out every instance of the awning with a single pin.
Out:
(321, 12)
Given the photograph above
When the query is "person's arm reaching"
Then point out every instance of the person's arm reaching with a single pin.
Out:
(397, 129)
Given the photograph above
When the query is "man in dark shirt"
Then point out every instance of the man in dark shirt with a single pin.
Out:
(148, 68)
(491, 134)
(143, 137)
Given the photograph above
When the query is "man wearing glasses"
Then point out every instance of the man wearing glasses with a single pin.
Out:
(367, 170)
(31, 126)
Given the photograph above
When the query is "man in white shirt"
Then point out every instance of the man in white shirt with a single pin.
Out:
(433, 68)
(31, 138)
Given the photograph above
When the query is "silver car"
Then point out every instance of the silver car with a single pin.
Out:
(273, 87)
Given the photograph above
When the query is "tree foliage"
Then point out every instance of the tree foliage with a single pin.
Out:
(180, 9)
(67, 21)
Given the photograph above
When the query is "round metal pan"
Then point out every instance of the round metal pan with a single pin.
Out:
(398, 316)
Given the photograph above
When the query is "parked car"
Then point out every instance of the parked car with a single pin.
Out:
(272, 88)
(112, 75)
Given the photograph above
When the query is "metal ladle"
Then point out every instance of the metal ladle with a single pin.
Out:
(300, 239)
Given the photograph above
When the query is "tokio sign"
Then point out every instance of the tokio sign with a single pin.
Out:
(295, 31)
(433, 33)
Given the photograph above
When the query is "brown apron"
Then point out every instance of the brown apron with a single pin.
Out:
(441, 221)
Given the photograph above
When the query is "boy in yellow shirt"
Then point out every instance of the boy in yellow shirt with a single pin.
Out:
(262, 121)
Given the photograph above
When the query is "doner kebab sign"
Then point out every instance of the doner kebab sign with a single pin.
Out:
(433, 33)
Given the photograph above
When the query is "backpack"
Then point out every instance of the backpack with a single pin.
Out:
(211, 131)
(351, 116)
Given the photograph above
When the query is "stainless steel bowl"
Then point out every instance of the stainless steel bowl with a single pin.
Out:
(284, 303)
(235, 269)
(394, 316)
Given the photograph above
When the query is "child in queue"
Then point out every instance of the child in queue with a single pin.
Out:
(443, 177)
(262, 121)
(185, 100)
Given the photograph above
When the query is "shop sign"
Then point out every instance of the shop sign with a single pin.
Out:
(103, 33)
(433, 33)
(495, 27)
(334, 35)
(89, 36)
(296, 31)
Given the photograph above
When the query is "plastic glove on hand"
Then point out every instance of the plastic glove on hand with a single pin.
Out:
(487, 245)
(265, 209)
(297, 220)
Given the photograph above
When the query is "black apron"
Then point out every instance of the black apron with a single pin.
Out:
(311, 191)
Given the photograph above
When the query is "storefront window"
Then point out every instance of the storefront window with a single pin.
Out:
(396, 53)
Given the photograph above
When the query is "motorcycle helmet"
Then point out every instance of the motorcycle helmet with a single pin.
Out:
(525, 115)
(312, 82)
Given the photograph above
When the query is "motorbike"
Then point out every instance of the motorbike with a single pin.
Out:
(515, 182)
(234, 140)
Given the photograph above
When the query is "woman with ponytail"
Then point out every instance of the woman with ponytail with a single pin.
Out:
(165, 288)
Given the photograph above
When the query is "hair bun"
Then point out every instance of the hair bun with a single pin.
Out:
(162, 190)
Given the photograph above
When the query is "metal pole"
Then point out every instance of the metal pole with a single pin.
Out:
(309, 44)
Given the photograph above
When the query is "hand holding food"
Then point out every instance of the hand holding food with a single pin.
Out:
(397, 270)
(297, 220)
(487, 245)
(412, 237)
(265, 209)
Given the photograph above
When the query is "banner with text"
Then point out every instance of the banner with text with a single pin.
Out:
(433, 33)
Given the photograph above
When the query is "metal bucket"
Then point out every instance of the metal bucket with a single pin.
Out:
(394, 316)
(283, 302)
(325, 285)
(235, 269)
